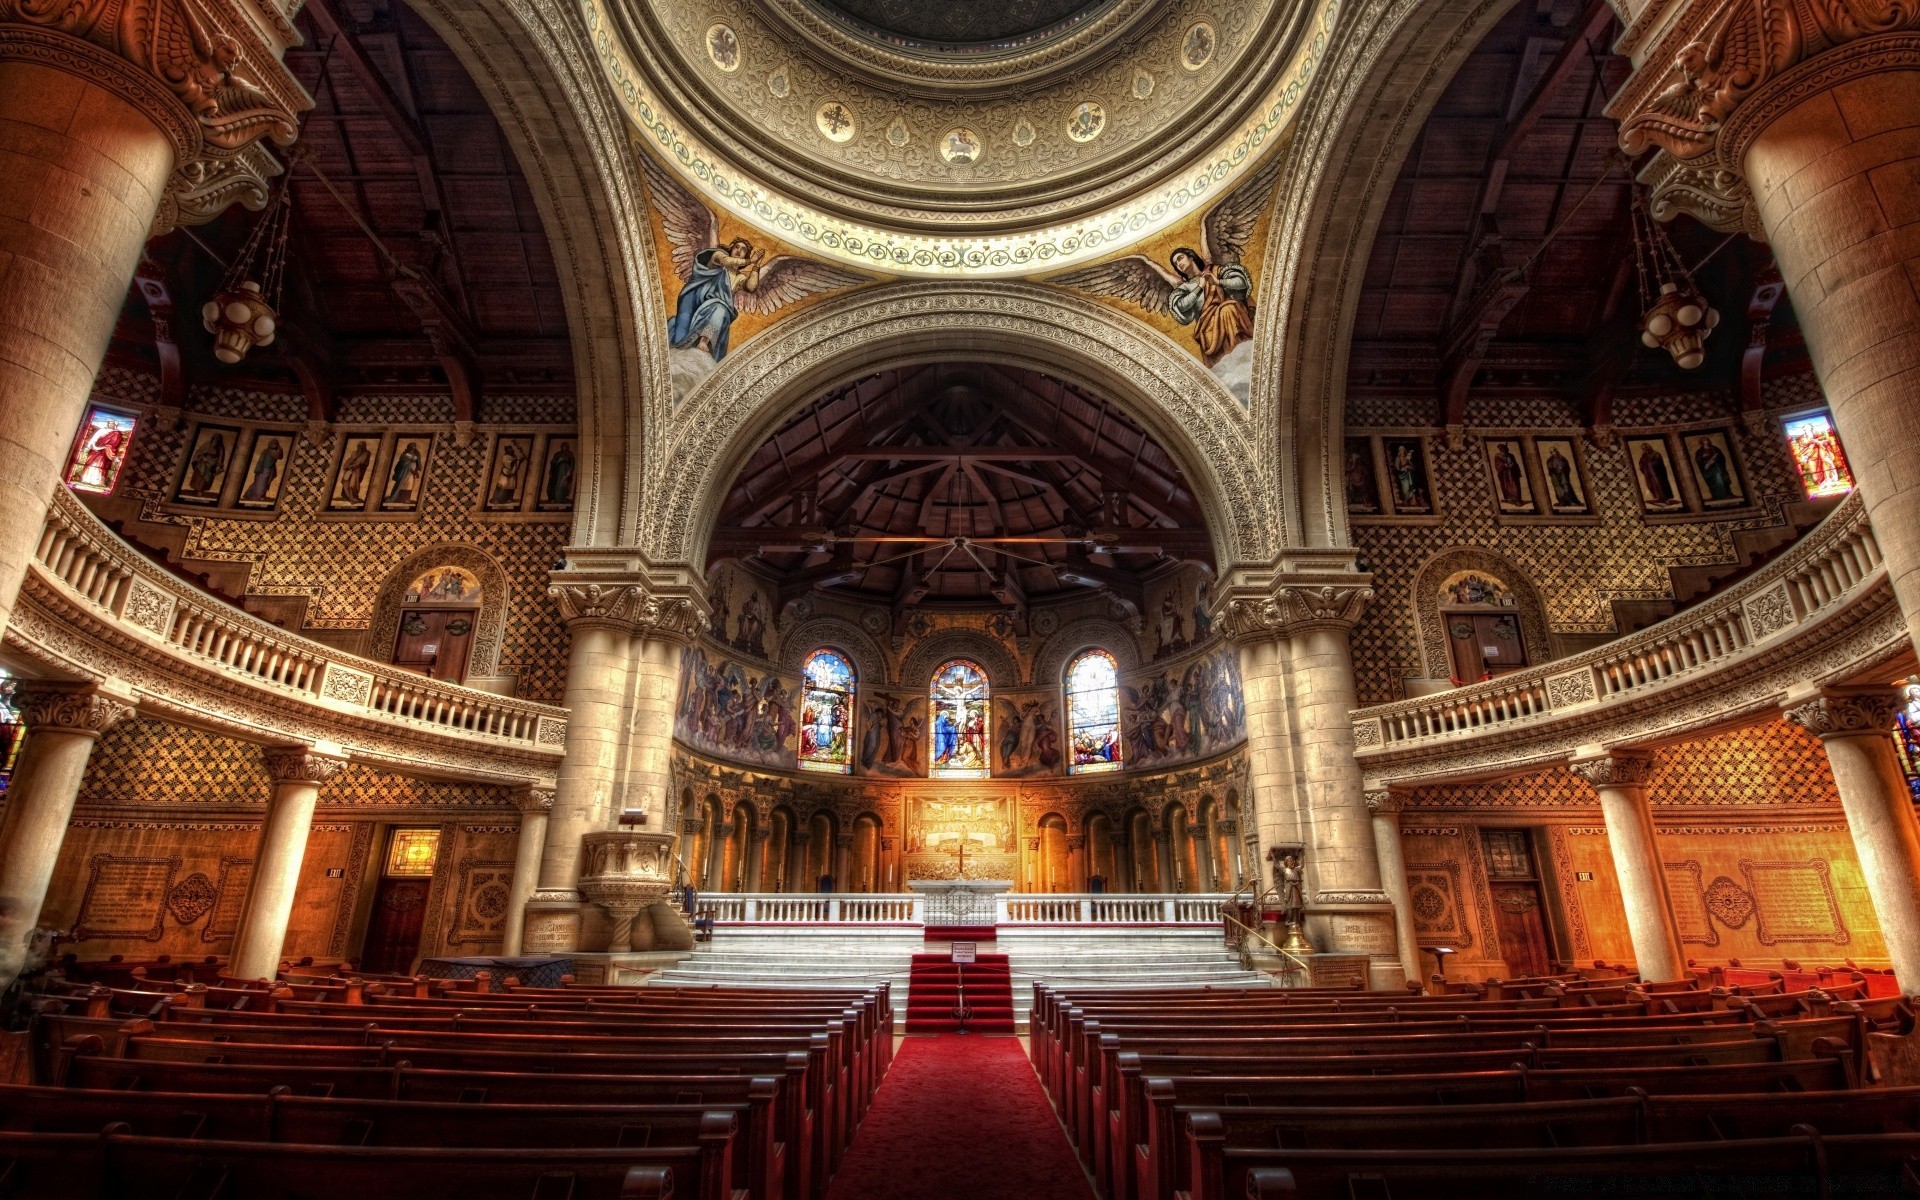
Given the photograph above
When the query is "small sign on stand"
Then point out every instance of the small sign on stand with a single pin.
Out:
(965, 952)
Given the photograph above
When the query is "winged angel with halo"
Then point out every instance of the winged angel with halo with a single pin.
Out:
(719, 282)
(1209, 289)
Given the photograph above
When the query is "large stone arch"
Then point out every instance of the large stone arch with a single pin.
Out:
(533, 62)
(1388, 66)
(1045, 329)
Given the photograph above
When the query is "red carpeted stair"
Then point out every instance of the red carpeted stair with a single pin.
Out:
(960, 933)
(960, 1118)
(934, 988)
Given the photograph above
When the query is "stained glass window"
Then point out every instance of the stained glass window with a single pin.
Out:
(1815, 445)
(100, 450)
(1906, 736)
(826, 713)
(959, 702)
(1093, 712)
(413, 852)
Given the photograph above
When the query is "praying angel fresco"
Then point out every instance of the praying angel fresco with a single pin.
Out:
(722, 278)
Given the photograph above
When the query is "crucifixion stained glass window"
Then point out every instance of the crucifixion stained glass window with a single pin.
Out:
(826, 713)
(960, 715)
(1093, 712)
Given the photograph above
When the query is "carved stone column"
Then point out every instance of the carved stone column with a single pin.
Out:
(626, 879)
(1854, 727)
(1620, 781)
(1164, 879)
(693, 850)
(1232, 877)
(536, 805)
(797, 859)
(116, 122)
(843, 862)
(1801, 124)
(297, 773)
(1203, 877)
(1077, 868)
(756, 859)
(1384, 804)
(62, 724)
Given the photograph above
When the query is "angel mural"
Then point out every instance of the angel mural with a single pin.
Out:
(720, 281)
(1029, 741)
(1209, 290)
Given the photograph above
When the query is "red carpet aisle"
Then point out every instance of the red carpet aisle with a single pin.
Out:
(960, 1118)
(934, 987)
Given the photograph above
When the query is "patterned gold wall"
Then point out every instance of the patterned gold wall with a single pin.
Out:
(1578, 566)
(338, 562)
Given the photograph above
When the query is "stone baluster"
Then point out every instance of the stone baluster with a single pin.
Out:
(1620, 781)
(535, 803)
(297, 773)
(1855, 728)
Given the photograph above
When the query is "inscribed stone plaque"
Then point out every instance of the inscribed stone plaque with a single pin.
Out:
(125, 898)
(550, 932)
(1794, 902)
(236, 878)
(1364, 933)
(1689, 897)
(1337, 970)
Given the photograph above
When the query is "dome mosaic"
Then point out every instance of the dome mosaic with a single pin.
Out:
(985, 26)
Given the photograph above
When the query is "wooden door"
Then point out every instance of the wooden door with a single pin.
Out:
(393, 933)
(435, 642)
(1483, 644)
(1522, 928)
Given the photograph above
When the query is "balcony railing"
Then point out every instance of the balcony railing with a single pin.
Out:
(816, 908)
(1108, 909)
(162, 622)
(1748, 625)
(1009, 908)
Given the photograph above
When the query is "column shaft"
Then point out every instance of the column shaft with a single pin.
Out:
(1619, 780)
(1270, 764)
(596, 697)
(83, 173)
(1887, 839)
(297, 775)
(1341, 855)
(1393, 880)
(535, 806)
(655, 690)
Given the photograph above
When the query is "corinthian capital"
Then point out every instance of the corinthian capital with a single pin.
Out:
(1285, 605)
(661, 604)
(1846, 714)
(300, 764)
(1617, 770)
(1382, 802)
(534, 799)
(207, 72)
(69, 708)
(1722, 70)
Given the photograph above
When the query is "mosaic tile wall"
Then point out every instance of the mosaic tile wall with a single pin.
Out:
(1578, 569)
(295, 555)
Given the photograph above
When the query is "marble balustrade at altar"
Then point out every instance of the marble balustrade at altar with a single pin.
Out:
(93, 607)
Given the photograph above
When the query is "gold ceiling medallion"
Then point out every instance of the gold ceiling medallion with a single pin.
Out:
(961, 147)
(835, 121)
(1142, 85)
(898, 134)
(1087, 121)
(1196, 49)
(778, 85)
(723, 47)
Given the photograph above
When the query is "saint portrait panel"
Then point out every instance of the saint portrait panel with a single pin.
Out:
(203, 475)
(1357, 473)
(1716, 474)
(1507, 471)
(558, 475)
(353, 472)
(1650, 460)
(506, 487)
(1566, 488)
(406, 477)
(263, 469)
(1407, 479)
(100, 451)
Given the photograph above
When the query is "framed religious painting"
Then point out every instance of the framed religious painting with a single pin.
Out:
(558, 474)
(1362, 481)
(1507, 472)
(209, 461)
(1650, 460)
(353, 472)
(507, 478)
(1817, 455)
(100, 450)
(1562, 476)
(1408, 482)
(405, 480)
(1716, 472)
(263, 469)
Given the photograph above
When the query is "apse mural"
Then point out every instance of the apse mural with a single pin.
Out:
(1179, 611)
(736, 712)
(1184, 712)
(1093, 712)
(100, 450)
(1029, 737)
(892, 730)
(1196, 283)
(728, 281)
(742, 607)
(826, 713)
(958, 701)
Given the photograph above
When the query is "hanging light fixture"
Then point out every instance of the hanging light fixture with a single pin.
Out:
(1677, 317)
(244, 312)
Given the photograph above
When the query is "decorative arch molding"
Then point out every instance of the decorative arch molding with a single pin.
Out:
(1382, 75)
(488, 628)
(1088, 633)
(1435, 572)
(1044, 329)
(833, 632)
(533, 62)
(1003, 670)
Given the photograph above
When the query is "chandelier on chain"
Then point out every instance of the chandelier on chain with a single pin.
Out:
(1677, 317)
(244, 313)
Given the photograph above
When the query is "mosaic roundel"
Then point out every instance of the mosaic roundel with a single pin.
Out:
(961, 147)
(1429, 904)
(1196, 49)
(1087, 121)
(490, 901)
(835, 121)
(1730, 903)
(191, 898)
(723, 47)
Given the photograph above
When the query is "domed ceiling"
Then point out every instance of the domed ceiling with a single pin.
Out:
(991, 137)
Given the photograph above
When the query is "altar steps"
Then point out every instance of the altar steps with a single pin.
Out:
(935, 990)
